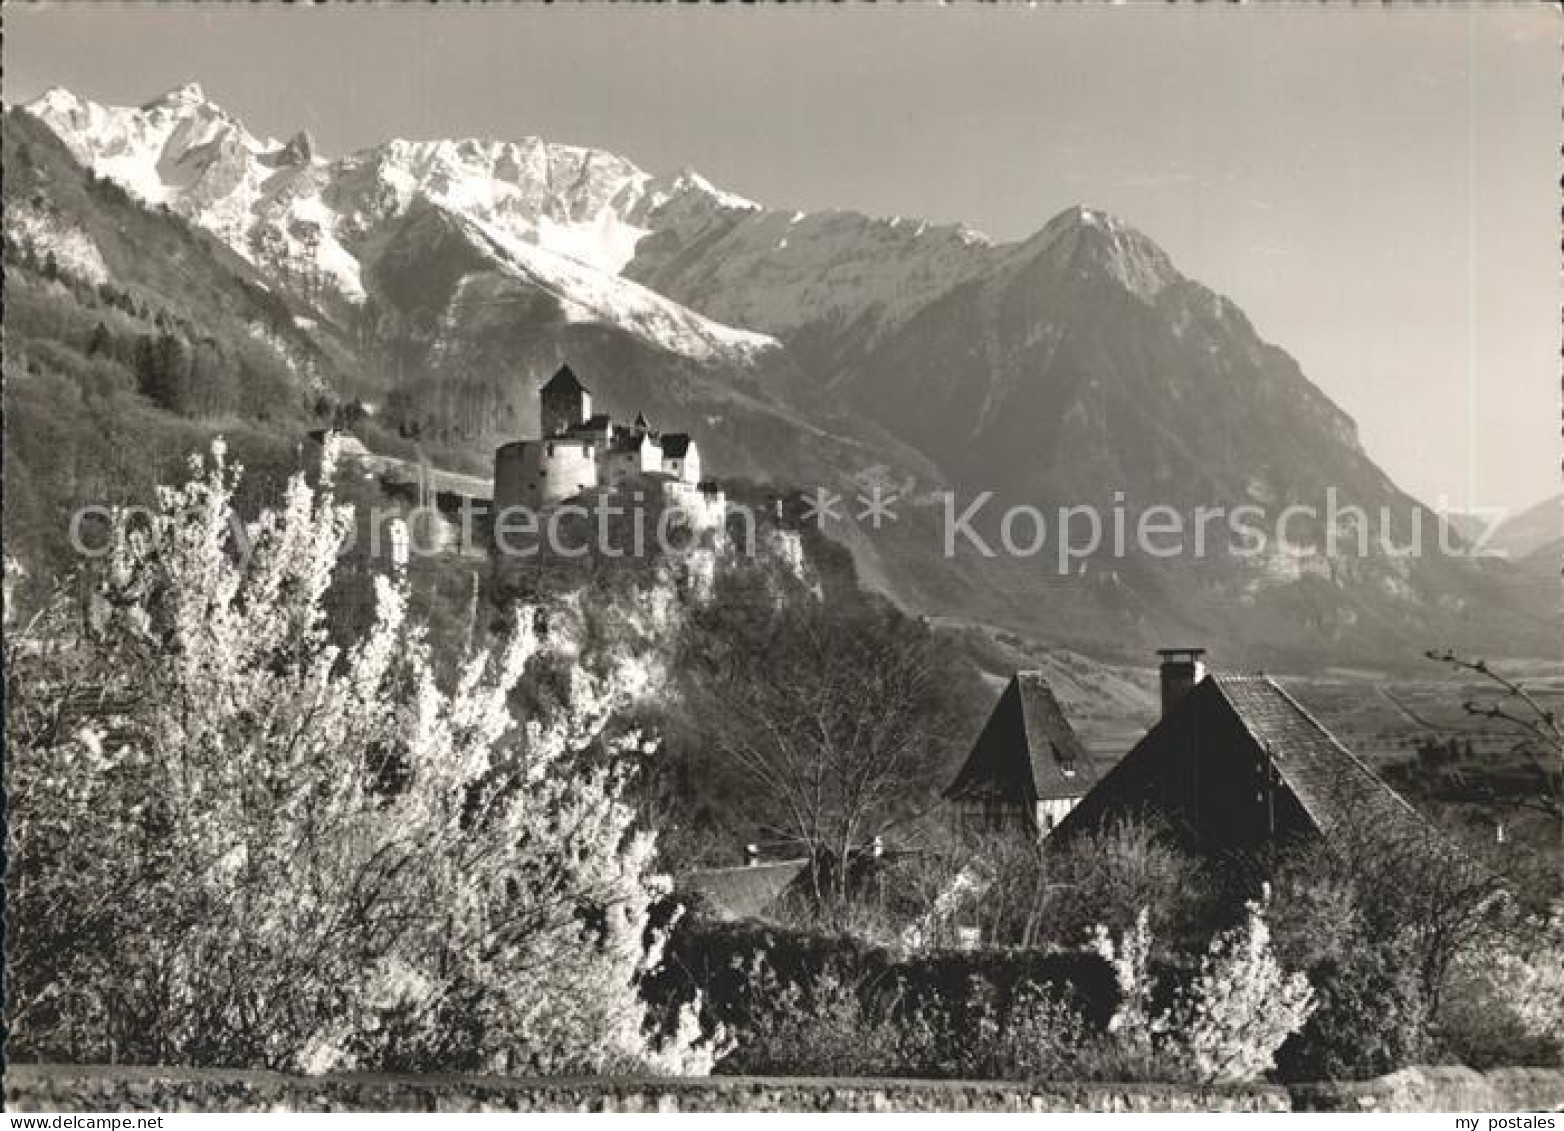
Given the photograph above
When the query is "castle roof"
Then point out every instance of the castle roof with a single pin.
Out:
(564, 381)
(676, 444)
(624, 441)
(1028, 751)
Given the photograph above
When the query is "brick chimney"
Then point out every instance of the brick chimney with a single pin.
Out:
(1182, 668)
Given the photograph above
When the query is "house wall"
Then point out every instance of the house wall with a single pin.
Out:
(998, 815)
(710, 509)
(1052, 810)
(990, 815)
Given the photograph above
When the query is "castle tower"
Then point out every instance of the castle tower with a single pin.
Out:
(563, 403)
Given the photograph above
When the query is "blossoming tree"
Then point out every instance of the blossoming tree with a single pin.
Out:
(1228, 1023)
(237, 842)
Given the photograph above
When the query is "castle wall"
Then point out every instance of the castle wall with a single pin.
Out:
(511, 475)
(686, 467)
(705, 510)
(599, 437)
(538, 473)
(615, 466)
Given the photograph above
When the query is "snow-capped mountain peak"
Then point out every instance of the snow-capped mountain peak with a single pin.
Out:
(689, 181)
(310, 220)
(589, 296)
(315, 222)
(185, 95)
(1090, 242)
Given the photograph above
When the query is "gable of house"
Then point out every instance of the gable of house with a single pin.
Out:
(1027, 758)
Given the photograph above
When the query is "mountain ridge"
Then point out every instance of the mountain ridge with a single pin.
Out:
(1078, 365)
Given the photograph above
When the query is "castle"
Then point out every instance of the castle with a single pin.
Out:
(580, 452)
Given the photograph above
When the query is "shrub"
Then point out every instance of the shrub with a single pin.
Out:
(1241, 1007)
(829, 1027)
(1017, 891)
(1045, 1038)
(1388, 933)
(1480, 1029)
(1370, 1016)
(1112, 876)
(1505, 1002)
(816, 1028)
(1226, 1024)
(945, 1013)
(810, 1004)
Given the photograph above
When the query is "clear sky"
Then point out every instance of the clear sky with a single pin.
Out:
(1376, 187)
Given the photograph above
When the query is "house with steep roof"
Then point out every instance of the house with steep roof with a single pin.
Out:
(1027, 768)
(1237, 764)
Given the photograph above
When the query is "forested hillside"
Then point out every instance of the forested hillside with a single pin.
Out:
(131, 339)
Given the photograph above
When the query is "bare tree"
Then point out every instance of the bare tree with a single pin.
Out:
(1539, 738)
(828, 718)
(1415, 886)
